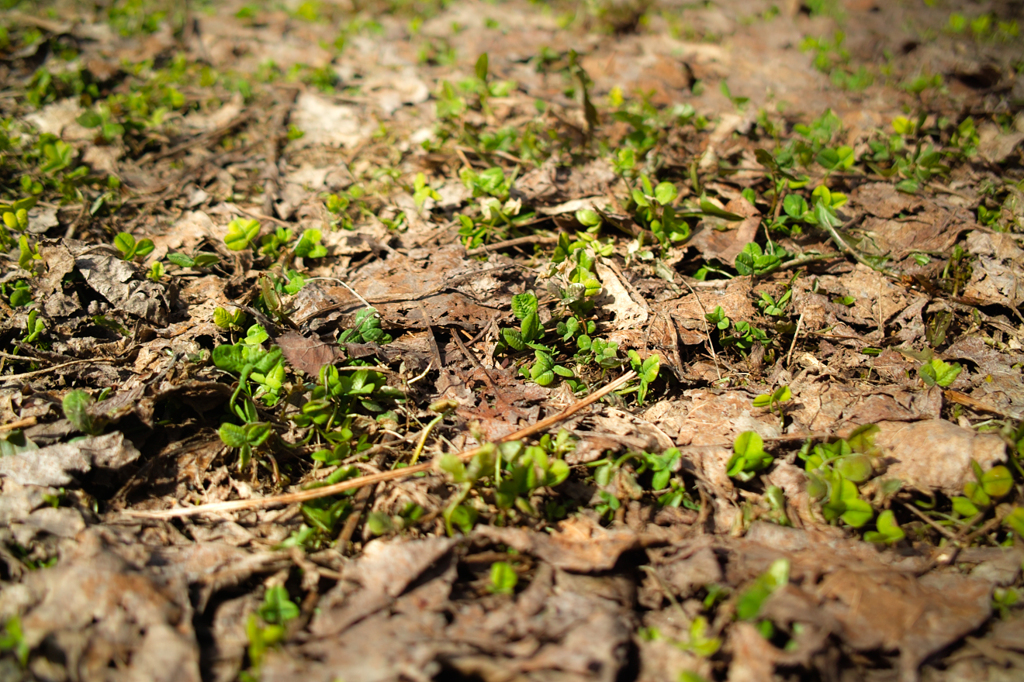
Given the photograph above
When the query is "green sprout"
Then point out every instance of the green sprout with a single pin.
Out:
(749, 456)
(241, 232)
(935, 372)
(76, 406)
(503, 578)
(888, 531)
(131, 249)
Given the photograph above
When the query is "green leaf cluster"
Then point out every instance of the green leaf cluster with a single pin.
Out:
(130, 249)
(935, 372)
(835, 470)
(646, 371)
(749, 456)
(241, 232)
(987, 486)
(513, 470)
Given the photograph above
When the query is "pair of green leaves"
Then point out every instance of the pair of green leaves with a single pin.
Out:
(772, 400)
(749, 456)
(366, 329)
(544, 369)
(989, 485)
(244, 438)
(888, 531)
(503, 578)
(201, 259)
(752, 599)
(647, 371)
(130, 249)
(753, 261)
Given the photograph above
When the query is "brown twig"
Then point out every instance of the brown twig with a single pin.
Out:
(327, 491)
(38, 372)
(21, 423)
(931, 522)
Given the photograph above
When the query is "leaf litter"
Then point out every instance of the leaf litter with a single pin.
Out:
(466, 341)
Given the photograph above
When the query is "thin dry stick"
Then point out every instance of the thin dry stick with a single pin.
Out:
(20, 424)
(796, 335)
(931, 522)
(327, 491)
(26, 375)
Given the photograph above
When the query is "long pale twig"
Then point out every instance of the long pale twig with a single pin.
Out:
(328, 490)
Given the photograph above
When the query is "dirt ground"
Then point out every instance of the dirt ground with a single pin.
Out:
(611, 340)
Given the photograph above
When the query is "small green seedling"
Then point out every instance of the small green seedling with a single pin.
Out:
(272, 243)
(201, 259)
(227, 320)
(544, 369)
(256, 335)
(647, 370)
(772, 307)
(365, 329)
(655, 211)
(264, 367)
(935, 372)
(457, 514)
(277, 607)
(662, 465)
(20, 293)
(989, 485)
(28, 255)
(156, 272)
(244, 439)
(241, 232)
(844, 503)
(1015, 521)
(754, 261)
(589, 218)
(76, 406)
(13, 639)
(524, 307)
(748, 457)
(34, 327)
(309, 245)
(751, 600)
(503, 578)
(276, 611)
(1004, 599)
(131, 249)
(774, 400)
(698, 642)
(888, 531)
(422, 191)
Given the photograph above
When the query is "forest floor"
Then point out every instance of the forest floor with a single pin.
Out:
(507, 341)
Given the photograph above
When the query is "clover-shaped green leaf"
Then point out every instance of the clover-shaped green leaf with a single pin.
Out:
(241, 232)
(888, 531)
(309, 245)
